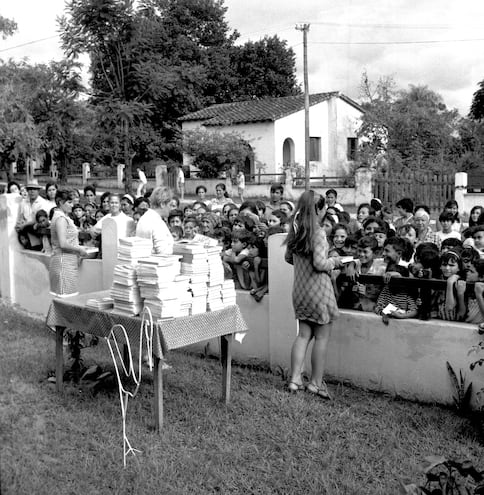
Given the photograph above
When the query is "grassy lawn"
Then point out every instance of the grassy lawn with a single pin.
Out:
(265, 441)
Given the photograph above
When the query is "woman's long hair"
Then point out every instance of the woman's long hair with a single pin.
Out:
(303, 224)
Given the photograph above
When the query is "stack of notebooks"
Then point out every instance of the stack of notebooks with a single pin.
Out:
(228, 293)
(194, 264)
(215, 279)
(101, 304)
(130, 249)
(164, 290)
(125, 291)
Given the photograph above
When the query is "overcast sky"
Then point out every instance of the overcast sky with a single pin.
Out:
(438, 43)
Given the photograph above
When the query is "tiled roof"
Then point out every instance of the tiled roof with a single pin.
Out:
(259, 110)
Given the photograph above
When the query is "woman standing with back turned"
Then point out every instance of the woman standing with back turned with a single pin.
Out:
(312, 295)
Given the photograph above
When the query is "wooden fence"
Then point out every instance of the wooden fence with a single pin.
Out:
(425, 187)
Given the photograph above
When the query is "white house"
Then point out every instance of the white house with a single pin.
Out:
(274, 127)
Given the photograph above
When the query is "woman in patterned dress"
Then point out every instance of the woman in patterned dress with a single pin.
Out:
(64, 263)
(312, 295)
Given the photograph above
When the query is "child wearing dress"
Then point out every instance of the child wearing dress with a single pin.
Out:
(312, 295)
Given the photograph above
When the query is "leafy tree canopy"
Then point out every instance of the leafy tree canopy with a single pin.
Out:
(214, 152)
(7, 27)
(413, 127)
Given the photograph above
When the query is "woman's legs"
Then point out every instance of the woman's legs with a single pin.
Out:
(298, 351)
(318, 354)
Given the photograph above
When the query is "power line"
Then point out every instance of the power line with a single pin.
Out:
(28, 43)
(386, 25)
(419, 42)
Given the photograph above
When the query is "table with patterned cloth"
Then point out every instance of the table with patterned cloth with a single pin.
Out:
(72, 313)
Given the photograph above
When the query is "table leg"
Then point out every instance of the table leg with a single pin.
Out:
(59, 358)
(226, 357)
(158, 395)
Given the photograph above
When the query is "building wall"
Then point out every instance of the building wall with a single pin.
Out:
(332, 121)
(260, 135)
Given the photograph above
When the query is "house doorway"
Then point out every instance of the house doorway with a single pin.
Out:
(288, 152)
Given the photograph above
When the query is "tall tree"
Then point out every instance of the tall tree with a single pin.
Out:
(413, 127)
(264, 68)
(105, 29)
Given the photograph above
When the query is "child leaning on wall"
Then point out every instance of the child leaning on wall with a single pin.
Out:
(236, 255)
(394, 301)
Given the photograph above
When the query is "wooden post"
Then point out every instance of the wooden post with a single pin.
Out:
(158, 396)
(226, 357)
(59, 359)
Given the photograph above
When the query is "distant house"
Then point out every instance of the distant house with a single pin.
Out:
(274, 127)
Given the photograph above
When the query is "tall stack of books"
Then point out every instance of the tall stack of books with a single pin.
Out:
(228, 292)
(125, 290)
(194, 264)
(164, 290)
(215, 278)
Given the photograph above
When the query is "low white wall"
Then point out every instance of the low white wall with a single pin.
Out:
(405, 358)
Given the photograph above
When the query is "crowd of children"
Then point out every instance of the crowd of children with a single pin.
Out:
(373, 243)
(407, 247)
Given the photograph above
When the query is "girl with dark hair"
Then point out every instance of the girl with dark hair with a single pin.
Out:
(474, 215)
(50, 193)
(312, 295)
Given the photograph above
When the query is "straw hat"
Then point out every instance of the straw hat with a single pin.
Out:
(33, 184)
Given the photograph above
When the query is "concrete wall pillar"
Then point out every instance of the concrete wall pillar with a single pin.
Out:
(9, 205)
(161, 175)
(86, 172)
(120, 175)
(363, 185)
(460, 190)
(288, 189)
(53, 172)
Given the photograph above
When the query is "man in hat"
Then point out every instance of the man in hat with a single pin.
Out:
(28, 210)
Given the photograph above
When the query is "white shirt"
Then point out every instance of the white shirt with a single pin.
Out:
(125, 224)
(152, 226)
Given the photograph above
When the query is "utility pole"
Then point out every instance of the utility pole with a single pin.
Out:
(307, 172)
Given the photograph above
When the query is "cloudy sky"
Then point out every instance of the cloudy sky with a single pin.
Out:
(438, 43)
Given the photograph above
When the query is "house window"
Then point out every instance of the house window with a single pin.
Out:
(315, 149)
(351, 149)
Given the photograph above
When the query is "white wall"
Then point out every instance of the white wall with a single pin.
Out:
(406, 358)
(267, 138)
(260, 135)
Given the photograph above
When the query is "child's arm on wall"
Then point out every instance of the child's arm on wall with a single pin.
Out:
(460, 287)
(450, 300)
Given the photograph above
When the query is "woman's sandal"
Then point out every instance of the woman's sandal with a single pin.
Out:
(322, 391)
(294, 387)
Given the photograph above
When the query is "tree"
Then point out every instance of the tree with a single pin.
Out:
(477, 105)
(105, 29)
(41, 113)
(412, 127)
(265, 68)
(163, 59)
(214, 152)
(7, 27)
(19, 136)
